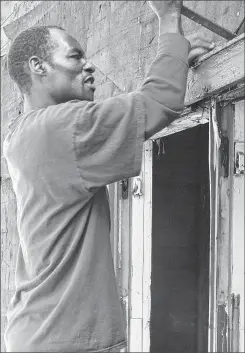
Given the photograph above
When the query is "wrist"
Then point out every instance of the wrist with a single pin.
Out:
(170, 24)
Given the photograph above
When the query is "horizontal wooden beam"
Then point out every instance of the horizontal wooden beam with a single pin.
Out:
(235, 94)
(213, 75)
(187, 120)
(221, 68)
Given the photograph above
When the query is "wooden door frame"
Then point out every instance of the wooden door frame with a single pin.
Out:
(237, 236)
(209, 83)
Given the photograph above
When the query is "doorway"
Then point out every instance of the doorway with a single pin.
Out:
(180, 243)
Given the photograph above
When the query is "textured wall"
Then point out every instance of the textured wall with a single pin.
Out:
(120, 39)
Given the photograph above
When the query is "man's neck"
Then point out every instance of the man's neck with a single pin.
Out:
(36, 102)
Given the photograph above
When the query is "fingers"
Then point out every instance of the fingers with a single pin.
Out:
(203, 44)
(200, 45)
(200, 40)
(195, 53)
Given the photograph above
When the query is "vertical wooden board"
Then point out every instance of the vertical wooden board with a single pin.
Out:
(112, 196)
(225, 117)
(124, 254)
(239, 121)
(135, 339)
(119, 209)
(214, 176)
(137, 234)
(238, 249)
(238, 226)
(148, 164)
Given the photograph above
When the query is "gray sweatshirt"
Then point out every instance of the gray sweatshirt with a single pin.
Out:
(60, 160)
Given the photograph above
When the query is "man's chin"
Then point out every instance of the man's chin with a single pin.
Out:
(85, 95)
(89, 96)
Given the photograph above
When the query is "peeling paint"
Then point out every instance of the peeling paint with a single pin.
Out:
(222, 319)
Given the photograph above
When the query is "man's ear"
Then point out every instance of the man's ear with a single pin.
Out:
(37, 65)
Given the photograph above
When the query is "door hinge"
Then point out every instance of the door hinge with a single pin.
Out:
(239, 158)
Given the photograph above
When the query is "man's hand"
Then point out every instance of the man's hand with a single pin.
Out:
(200, 45)
(166, 8)
(169, 15)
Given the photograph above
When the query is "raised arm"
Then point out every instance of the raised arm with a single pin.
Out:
(109, 134)
(164, 86)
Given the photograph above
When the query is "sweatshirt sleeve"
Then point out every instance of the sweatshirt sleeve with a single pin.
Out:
(164, 87)
(109, 134)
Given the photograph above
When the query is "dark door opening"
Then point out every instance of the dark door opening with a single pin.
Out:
(180, 243)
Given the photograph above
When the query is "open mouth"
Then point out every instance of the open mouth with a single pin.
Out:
(89, 81)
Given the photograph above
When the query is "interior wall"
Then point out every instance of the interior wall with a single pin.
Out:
(180, 243)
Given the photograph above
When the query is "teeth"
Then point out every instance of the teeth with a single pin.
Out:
(89, 80)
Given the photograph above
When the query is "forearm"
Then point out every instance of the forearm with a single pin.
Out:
(165, 84)
(170, 24)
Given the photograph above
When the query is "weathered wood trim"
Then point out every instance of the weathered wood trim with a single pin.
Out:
(235, 94)
(218, 49)
(226, 314)
(236, 333)
(136, 339)
(136, 268)
(214, 173)
(237, 241)
(114, 222)
(196, 116)
(225, 117)
(213, 75)
(215, 71)
(187, 120)
(123, 263)
(148, 161)
(140, 264)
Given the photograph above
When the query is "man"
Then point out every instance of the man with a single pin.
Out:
(61, 153)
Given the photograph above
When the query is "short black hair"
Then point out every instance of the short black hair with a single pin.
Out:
(32, 41)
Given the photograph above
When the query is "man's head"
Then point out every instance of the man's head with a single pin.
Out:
(46, 60)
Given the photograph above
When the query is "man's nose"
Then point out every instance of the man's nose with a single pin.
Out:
(89, 67)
